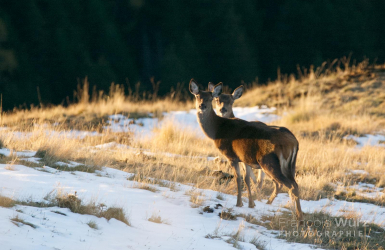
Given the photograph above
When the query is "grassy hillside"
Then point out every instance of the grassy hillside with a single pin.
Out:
(321, 107)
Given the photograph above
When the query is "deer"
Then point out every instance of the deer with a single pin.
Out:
(224, 108)
(273, 149)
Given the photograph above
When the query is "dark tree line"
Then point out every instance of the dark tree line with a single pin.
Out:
(51, 45)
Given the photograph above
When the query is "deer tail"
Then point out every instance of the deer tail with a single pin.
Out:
(292, 163)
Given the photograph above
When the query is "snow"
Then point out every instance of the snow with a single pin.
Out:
(363, 189)
(368, 140)
(186, 119)
(186, 228)
(8, 152)
(358, 171)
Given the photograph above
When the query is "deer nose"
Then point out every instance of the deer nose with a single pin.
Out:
(223, 110)
(202, 106)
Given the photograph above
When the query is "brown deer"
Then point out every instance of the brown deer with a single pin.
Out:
(224, 107)
(274, 149)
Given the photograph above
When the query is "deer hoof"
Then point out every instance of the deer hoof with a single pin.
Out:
(239, 204)
(269, 202)
(251, 205)
(300, 219)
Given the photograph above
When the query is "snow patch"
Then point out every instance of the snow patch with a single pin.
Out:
(143, 127)
(368, 140)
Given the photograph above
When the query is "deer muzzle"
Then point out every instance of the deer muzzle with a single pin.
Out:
(223, 110)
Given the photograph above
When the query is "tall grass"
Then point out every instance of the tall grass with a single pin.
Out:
(310, 106)
(91, 108)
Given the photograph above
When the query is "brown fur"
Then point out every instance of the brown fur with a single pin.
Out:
(250, 142)
(224, 108)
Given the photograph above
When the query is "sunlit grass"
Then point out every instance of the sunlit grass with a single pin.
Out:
(310, 107)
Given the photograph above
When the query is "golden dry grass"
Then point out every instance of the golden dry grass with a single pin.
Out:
(321, 107)
(91, 113)
(6, 202)
(312, 107)
(324, 230)
(156, 218)
(172, 137)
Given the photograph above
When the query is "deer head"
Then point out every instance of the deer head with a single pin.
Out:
(224, 102)
(203, 99)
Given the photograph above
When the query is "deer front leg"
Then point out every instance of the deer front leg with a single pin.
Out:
(260, 178)
(235, 165)
(247, 180)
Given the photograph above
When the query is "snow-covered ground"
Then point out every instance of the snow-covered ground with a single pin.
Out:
(186, 227)
(368, 140)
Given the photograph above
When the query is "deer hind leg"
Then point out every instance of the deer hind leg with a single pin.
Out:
(294, 195)
(238, 176)
(277, 188)
(292, 185)
(271, 166)
(247, 180)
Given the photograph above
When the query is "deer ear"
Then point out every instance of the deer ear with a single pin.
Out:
(238, 92)
(217, 90)
(194, 89)
(211, 86)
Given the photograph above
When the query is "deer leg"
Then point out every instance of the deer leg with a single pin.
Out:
(247, 180)
(277, 187)
(294, 195)
(261, 176)
(271, 166)
(238, 176)
(292, 185)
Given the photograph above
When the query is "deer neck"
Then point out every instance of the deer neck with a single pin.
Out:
(209, 123)
(231, 115)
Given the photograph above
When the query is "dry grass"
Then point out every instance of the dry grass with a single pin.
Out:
(381, 183)
(156, 218)
(320, 107)
(197, 197)
(172, 137)
(328, 231)
(352, 196)
(58, 199)
(323, 162)
(344, 88)
(99, 210)
(258, 243)
(19, 222)
(321, 159)
(90, 113)
(237, 236)
(145, 186)
(10, 167)
(227, 214)
(6, 202)
(92, 224)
